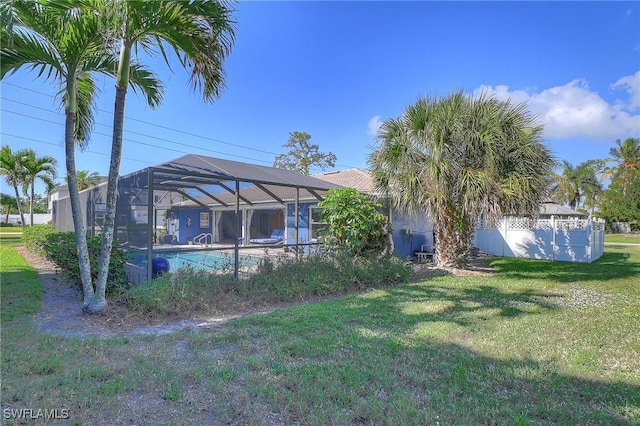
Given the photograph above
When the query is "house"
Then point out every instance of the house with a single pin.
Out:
(410, 233)
(262, 213)
(200, 197)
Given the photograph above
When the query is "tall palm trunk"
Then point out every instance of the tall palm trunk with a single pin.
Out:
(74, 194)
(99, 301)
(33, 184)
(20, 210)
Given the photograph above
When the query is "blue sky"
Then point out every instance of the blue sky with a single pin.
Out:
(336, 70)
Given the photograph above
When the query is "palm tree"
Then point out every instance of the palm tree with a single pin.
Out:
(69, 45)
(8, 202)
(627, 156)
(200, 33)
(566, 187)
(87, 179)
(458, 158)
(43, 168)
(12, 170)
(577, 184)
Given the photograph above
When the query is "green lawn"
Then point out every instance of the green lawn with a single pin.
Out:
(537, 343)
(10, 235)
(10, 229)
(622, 238)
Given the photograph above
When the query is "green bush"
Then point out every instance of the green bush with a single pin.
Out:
(277, 280)
(61, 249)
(353, 222)
(35, 237)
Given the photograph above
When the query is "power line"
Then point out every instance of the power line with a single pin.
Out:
(162, 127)
(144, 143)
(58, 145)
(127, 131)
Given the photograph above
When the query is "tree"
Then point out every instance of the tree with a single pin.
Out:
(627, 157)
(87, 179)
(66, 42)
(303, 155)
(620, 202)
(200, 33)
(40, 203)
(8, 203)
(458, 158)
(578, 185)
(43, 168)
(12, 170)
(353, 221)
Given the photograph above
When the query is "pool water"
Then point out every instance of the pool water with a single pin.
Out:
(208, 260)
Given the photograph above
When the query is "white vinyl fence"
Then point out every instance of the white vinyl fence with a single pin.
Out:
(573, 240)
(38, 218)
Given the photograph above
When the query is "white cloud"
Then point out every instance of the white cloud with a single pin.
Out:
(630, 84)
(373, 125)
(573, 110)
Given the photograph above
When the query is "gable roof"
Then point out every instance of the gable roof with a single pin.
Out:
(549, 208)
(358, 179)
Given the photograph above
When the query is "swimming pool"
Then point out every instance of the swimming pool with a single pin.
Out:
(210, 260)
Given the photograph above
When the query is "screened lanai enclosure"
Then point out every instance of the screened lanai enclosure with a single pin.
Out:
(204, 212)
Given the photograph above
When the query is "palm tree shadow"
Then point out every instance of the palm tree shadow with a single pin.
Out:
(612, 265)
(514, 388)
(463, 306)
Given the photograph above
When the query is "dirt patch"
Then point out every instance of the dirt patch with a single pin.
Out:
(478, 267)
(62, 305)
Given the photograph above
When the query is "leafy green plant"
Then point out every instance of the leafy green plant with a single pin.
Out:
(35, 238)
(60, 248)
(353, 222)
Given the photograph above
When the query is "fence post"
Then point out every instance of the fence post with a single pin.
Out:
(553, 238)
(589, 240)
(505, 237)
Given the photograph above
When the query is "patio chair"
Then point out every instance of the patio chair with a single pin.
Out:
(277, 236)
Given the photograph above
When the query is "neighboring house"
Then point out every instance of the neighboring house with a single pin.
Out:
(549, 208)
(57, 193)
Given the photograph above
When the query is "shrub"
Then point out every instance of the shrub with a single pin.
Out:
(61, 249)
(277, 280)
(185, 290)
(353, 222)
(35, 237)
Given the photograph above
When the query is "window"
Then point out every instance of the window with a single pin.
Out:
(317, 223)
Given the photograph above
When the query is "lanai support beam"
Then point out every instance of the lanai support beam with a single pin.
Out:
(212, 196)
(150, 215)
(236, 256)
